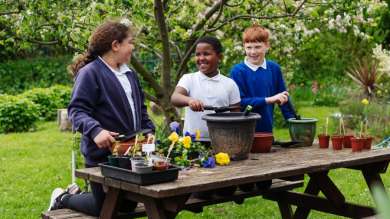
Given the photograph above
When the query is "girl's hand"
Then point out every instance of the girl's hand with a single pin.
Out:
(195, 105)
(280, 98)
(105, 139)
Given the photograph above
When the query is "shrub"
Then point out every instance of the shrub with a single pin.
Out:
(63, 95)
(329, 96)
(17, 114)
(49, 100)
(20, 75)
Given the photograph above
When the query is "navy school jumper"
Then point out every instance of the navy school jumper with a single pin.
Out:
(255, 86)
(99, 102)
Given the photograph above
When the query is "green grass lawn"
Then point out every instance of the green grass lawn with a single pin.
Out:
(33, 164)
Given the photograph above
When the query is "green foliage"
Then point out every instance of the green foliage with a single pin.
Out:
(49, 100)
(378, 115)
(326, 57)
(17, 114)
(329, 96)
(180, 155)
(20, 75)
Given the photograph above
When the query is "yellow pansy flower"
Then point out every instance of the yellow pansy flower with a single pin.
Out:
(173, 137)
(197, 135)
(186, 141)
(222, 158)
(365, 101)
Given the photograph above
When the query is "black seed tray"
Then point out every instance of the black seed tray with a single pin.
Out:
(153, 177)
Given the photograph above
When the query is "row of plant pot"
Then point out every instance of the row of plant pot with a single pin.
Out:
(346, 141)
(137, 164)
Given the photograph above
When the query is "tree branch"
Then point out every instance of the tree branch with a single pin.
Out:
(9, 12)
(151, 98)
(150, 50)
(190, 44)
(178, 52)
(147, 76)
(249, 16)
(166, 53)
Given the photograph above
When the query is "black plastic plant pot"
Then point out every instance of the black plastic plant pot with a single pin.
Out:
(124, 162)
(232, 133)
(113, 160)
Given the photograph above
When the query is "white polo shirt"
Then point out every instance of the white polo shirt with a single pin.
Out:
(217, 91)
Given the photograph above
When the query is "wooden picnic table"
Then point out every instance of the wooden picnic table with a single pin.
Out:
(167, 199)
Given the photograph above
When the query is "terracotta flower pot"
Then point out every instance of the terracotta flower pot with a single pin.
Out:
(347, 141)
(337, 142)
(367, 142)
(357, 144)
(262, 142)
(323, 140)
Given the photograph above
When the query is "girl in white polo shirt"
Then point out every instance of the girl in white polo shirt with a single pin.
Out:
(205, 87)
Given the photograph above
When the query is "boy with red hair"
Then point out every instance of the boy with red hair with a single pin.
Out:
(260, 81)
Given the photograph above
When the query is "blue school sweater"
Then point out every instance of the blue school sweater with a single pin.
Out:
(99, 102)
(255, 86)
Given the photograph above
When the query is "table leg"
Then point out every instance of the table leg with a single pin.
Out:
(155, 209)
(372, 177)
(312, 189)
(285, 210)
(110, 203)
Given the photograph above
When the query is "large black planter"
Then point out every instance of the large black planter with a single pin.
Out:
(232, 133)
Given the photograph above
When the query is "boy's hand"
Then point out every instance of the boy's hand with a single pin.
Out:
(195, 105)
(105, 139)
(280, 98)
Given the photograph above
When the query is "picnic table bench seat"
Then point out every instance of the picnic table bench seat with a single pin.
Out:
(193, 204)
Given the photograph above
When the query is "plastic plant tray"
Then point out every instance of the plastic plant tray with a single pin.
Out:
(153, 177)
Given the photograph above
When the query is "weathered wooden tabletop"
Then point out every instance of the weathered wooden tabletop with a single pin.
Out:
(281, 162)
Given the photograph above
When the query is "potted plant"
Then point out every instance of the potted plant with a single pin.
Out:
(262, 142)
(323, 138)
(337, 139)
(357, 143)
(366, 137)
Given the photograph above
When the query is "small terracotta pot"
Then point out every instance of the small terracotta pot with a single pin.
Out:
(367, 142)
(160, 165)
(262, 142)
(323, 140)
(337, 142)
(347, 141)
(357, 144)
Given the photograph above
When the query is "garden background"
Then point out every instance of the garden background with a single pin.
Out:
(333, 54)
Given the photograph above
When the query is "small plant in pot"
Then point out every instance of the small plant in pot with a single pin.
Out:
(262, 142)
(357, 143)
(365, 136)
(337, 139)
(323, 138)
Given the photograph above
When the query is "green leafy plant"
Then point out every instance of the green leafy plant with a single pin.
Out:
(17, 114)
(49, 100)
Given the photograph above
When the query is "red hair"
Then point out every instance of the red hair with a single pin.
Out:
(255, 34)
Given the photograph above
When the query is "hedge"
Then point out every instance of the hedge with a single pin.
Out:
(20, 75)
(17, 114)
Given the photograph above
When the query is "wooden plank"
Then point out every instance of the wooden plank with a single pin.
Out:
(65, 213)
(280, 163)
(322, 204)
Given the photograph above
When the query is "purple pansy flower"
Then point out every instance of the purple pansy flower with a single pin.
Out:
(187, 133)
(209, 163)
(174, 126)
